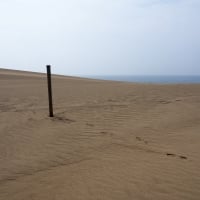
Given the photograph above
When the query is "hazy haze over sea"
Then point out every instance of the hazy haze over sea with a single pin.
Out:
(151, 79)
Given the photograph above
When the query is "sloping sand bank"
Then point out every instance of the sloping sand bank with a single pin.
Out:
(108, 140)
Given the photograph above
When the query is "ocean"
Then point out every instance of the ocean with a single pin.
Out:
(152, 79)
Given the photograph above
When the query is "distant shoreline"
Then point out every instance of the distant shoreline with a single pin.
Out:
(157, 79)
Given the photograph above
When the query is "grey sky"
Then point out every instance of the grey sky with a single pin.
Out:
(101, 36)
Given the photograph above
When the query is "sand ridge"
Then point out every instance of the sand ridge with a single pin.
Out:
(108, 140)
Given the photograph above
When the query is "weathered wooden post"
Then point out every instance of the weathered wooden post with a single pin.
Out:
(49, 90)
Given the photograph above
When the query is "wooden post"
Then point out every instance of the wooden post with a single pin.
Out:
(49, 90)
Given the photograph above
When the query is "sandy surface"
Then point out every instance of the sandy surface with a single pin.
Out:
(108, 140)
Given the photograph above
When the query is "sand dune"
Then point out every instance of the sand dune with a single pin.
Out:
(108, 140)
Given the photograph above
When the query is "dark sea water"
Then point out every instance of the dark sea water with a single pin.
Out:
(151, 79)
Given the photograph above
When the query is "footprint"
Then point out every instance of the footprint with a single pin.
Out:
(164, 101)
(103, 132)
(183, 157)
(174, 155)
(111, 100)
(106, 133)
(170, 154)
(141, 140)
(138, 138)
(88, 124)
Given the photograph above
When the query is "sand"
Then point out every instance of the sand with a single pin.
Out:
(108, 140)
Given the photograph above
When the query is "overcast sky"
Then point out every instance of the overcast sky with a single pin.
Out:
(115, 37)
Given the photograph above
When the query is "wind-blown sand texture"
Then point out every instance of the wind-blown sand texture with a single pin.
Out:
(108, 140)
